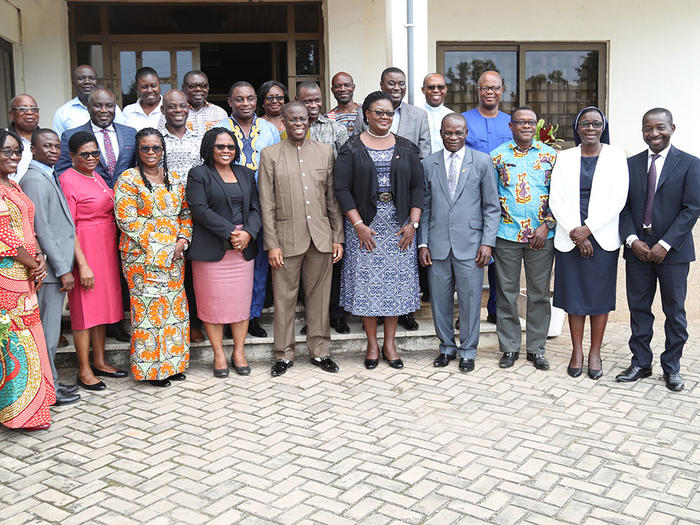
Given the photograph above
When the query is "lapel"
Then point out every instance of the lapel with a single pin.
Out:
(640, 170)
(669, 166)
(219, 184)
(244, 184)
(403, 122)
(442, 175)
(464, 172)
(61, 199)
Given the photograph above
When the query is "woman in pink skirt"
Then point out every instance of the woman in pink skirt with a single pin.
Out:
(223, 199)
(96, 300)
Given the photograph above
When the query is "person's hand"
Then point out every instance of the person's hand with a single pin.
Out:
(406, 233)
(39, 272)
(87, 278)
(67, 282)
(538, 237)
(483, 256)
(586, 249)
(179, 249)
(641, 250)
(364, 235)
(240, 239)
(657, 254)
(337, 252)
(424, 256)
(579, 234)
(275, 258)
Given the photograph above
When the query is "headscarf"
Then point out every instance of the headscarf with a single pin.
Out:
(604, 137)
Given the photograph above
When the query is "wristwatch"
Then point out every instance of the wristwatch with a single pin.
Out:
(415, 225)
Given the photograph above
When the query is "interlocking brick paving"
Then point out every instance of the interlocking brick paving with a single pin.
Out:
(418, 445)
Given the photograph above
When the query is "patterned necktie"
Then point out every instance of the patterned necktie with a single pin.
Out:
(651, 189)
(109, 153)
(452, 175)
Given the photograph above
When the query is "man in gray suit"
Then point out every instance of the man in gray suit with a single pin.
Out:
(55, 232)
(457, 233)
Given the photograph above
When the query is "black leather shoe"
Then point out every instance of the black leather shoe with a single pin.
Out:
(674, 382)
(408, 322)
(221, 372)
(64, 398)
(101, 373)
(178, 377)
(280, 367)
(539, 360)
(371, 364)
(393, 363)
(255, 329)
(633, 373)
(596, 374)
(161, 383)
(340, 326)
(575, 372)
(442, 360)
(508, 359)
(491, 318)
(325, 363)
(97, 386)
(68, 389)
(115, 331)
(465, 364)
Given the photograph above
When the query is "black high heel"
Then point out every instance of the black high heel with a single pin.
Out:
(574, 372)
(596, 374)
(393, 363)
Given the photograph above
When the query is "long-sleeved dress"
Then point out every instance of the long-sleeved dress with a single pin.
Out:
(151, 221)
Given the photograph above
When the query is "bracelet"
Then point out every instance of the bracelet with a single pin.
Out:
(358, 222)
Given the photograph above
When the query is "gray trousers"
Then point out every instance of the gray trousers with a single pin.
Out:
(50, 310)
(444, 276)
(508, 257)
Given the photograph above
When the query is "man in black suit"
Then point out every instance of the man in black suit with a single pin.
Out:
(662, 207)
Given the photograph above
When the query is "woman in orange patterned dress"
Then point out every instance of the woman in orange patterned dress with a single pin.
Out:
(26, 380)
(156, 229)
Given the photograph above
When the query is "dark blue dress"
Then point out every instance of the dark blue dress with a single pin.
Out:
(586, 286)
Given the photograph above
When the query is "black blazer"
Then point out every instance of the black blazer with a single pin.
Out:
(212, 212)
(676, 204)
(355, 179)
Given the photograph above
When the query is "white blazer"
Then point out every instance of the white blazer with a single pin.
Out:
(608, 197)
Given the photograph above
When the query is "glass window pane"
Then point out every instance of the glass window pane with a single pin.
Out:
(184, 64)
(307, 57)
(6, 81)
(559, 84)
(462, 70)
(307, 18)
(158, 60)
(127, 68)
(92, 54)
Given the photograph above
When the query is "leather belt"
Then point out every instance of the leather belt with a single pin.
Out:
(386, 196)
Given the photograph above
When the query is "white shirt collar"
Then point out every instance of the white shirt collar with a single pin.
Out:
(663, 153)
(460, 156)
(96, 129)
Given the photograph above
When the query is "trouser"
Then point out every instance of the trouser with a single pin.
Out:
(641, 288)
(314, 269)
(445, 275)
(259, 280)
(336, 312)
(508, 257)
(50, 312)
(491, 304)
(191, 299)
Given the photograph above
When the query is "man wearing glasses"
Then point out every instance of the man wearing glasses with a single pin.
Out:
(203, 115)
(434, 89)
(24, 120)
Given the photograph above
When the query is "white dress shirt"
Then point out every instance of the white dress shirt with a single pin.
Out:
(136, 117)
(397, 119)
(101, 139)
(435, 116)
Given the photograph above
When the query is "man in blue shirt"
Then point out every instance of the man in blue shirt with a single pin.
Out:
(488, 128)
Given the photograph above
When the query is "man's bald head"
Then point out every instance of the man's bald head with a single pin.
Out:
(175, 109)
(84, 81)
(434, 89)
(101, 106)
(490, 86)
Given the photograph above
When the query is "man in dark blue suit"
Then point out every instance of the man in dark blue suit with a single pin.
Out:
(116, 141)
(662, 207)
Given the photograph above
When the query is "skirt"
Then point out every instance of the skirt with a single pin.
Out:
(223, 289)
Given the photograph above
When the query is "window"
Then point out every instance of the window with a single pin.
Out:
(7, 84)
(557, 79)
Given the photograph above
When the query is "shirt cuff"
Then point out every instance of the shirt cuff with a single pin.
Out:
(630, 239)
(666, 245)
(422, 245)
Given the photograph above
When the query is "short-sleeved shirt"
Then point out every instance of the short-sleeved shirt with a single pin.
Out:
(136, 117)
(262, 134)
(523, 189)
(486, 134)
(182, 154)
(203, 119)
(347, 119)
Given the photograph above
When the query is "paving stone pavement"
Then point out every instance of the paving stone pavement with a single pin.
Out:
(419, 446)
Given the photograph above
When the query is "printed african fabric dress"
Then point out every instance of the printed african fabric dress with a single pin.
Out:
(26, 380)
(151, 221)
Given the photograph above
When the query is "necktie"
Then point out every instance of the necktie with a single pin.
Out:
(452, 175)
(109, 153)
(651, 190)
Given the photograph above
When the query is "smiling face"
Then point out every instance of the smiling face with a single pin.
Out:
(274, 102)
(380, 124)
(342, 88)
(311, 98)
(148, 89)
(101, 107)
(84, 81)
(224, 150)
(657, 130)
(296, 121)
(150, 157)
(523, 124)
(395, 85)
(24, 113)
(242, 102)
(490, 90)
(434, 89)
(590, 127)
(453, 132)
(8, 163)
(86, 165)
(196, 89)
(47, 149)
(175, 109)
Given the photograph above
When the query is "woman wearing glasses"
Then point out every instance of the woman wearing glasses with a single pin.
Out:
(156, 228)
(378, 179)
(225, 209)
(588, 191)
(272, 96)
(96, 301)
(26, 381)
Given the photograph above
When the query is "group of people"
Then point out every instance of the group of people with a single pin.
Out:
(183, 211)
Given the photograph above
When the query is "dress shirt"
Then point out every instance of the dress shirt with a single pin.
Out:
(46, 170)
(346, 119)
(203, 119)
(329, 132)
(523, 189)
(182, 154)
(435, 116)
(24, 161)
(74, 113)
(136, 117)
(659, 166)
(101, 141)
(486, 134)
(262, 134)
(397, 119)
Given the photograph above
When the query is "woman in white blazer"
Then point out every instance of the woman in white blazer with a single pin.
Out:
(588, 190)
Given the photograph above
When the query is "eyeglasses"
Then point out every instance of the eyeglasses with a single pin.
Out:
(201, 85)
(433, 87)
(275, 98)
(531, 123)
(381, 113)
(85, 155)
(492, 89)
(7, 152)
(597, 124)
(154, 149)
(250, 99)
(25, 109)
(449, 134)
(222, 147)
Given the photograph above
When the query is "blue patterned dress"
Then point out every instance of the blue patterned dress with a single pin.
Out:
(383, 282)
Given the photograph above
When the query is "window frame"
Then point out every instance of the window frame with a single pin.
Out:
(9, 82)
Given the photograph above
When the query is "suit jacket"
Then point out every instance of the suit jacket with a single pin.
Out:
(212, 212)
(126, 138)
(413, 125)
(676, 204)
(470, 219)
(53, 223)
(608, 197)
(297, 199)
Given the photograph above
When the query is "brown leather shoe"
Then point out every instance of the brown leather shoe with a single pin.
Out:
(62, 341)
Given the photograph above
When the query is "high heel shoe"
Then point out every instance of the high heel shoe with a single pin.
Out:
(393, 363)
(371, 364)
(574, 372)
(596, 374)
(240, 370)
